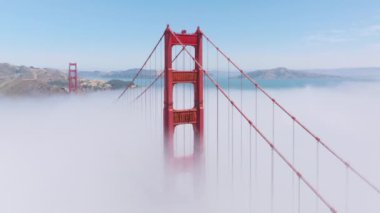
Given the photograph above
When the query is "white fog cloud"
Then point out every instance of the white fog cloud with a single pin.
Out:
(89, 154)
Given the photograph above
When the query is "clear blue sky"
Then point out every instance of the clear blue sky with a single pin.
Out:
(118, 34)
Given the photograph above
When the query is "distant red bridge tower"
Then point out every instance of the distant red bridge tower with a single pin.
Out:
(73, 77)
(194, 116)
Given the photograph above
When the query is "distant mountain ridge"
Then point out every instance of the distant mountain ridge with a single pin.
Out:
(364, 73)
(282, 73)
(119, 74)
(29, 80)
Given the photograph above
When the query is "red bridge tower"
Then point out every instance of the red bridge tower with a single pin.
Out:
(73, 77)
(194, 116)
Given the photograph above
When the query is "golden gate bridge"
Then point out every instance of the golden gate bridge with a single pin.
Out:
(212, 125)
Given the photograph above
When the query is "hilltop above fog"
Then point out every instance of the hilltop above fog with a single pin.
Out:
(282, 73)
(22, 80)
(32, 81)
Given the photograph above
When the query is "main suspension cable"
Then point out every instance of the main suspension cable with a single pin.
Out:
(142, 67)
(318, 140)
(272, 146)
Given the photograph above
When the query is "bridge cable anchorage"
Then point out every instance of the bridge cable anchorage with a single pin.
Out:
(318, 140)
(142, 67)
(275, 149)
(156, 79)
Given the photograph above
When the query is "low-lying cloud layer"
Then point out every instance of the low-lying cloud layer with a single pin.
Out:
(90, 154)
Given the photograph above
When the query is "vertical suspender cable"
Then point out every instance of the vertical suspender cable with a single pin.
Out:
(229, 144)
(317, 176)
(144, 76)
(138, 89)
(347, 191)
(272, 163)
(232, 141)
(299, 195)
(217, 118)
(150, 96)
(257, 124)
(145, 96)
(229, 141)
(241, 125)
(250, 169)
(293, 162)
(155, 94)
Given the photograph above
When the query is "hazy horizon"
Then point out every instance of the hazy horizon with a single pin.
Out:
(221, 70)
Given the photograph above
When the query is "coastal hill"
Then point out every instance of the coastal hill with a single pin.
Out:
(22, 80)
(32, 81)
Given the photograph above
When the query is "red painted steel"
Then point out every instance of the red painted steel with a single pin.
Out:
(73, 77)
(271, 144)
(193, 116)
(158, 77)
